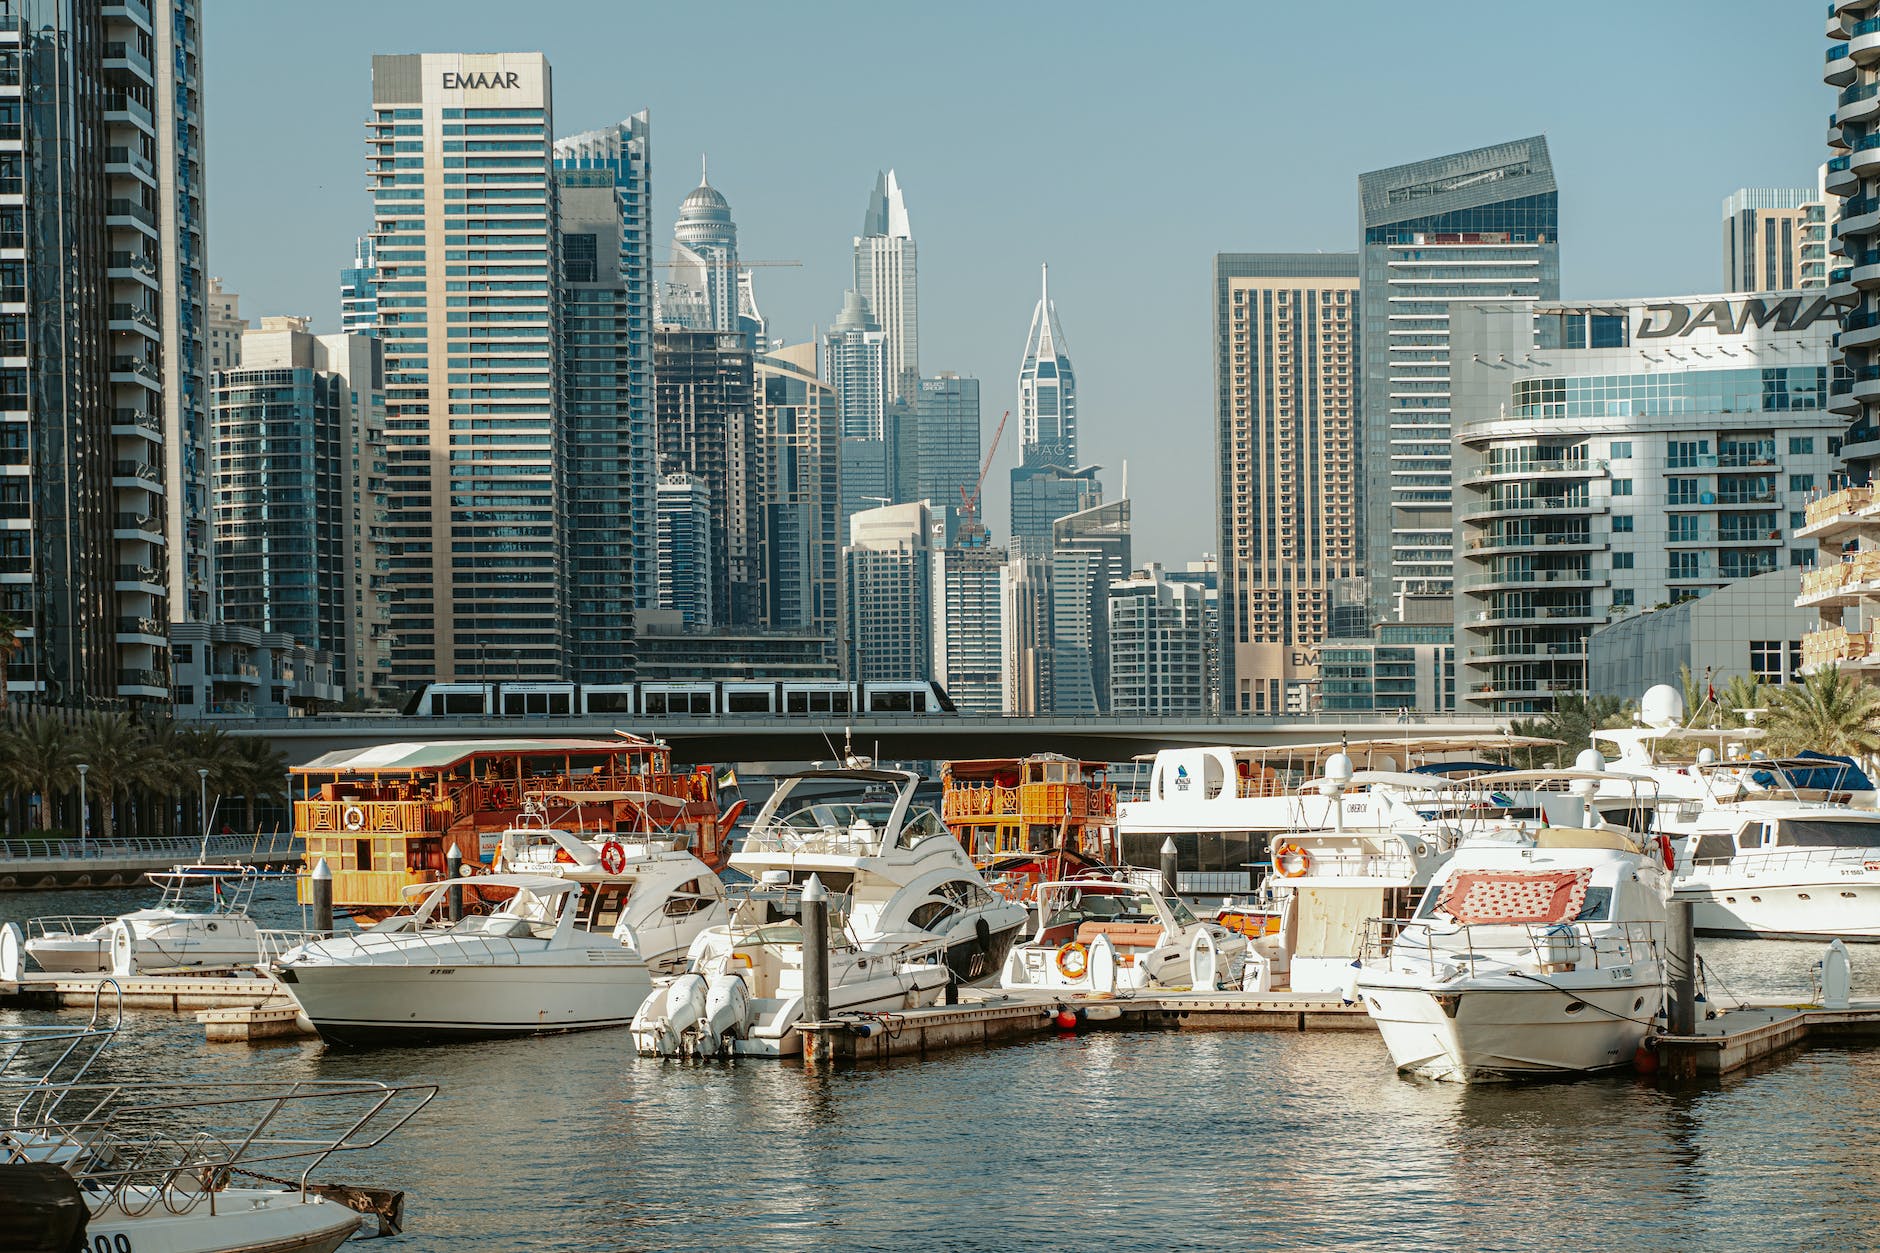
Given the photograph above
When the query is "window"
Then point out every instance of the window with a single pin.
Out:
(1622, 487)
(1801, 445)
(1621, 524)
(1798, 518)
(1620, 449)
(1623, 597)
(1801, 482)
(1684, 565)
(1802, 558)
(1765, 659)
(1682, 491)
(1622, 561)
(1683, 528)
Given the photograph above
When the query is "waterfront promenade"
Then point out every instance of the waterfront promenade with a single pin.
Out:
(41, 864)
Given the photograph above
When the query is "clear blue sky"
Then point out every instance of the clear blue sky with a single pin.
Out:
(1124, 144)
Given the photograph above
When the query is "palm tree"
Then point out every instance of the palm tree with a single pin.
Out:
(1828, 713)
(113, 748)
(40, 760)
(1743, 691)
(217, 752)
(169, 772)
(10, 643)
(1572, 721)
(263, 776)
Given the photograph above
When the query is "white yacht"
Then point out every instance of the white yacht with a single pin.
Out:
(200, 920)
(644, 888)
(908, 914)
(1536, 951)
(528, 967)
(1101, 934)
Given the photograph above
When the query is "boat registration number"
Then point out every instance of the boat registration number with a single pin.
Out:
(441, 970)
(102, 1242)
(1621, 973)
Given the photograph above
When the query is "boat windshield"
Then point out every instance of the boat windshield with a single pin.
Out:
(839, 816)
(1597, 907)
(1828, 833)
(1100, 904)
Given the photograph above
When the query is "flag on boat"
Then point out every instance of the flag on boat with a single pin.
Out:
(728, 779)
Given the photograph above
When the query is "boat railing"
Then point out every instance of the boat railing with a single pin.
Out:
(172, 1148)
(782, 839)
(264, 844)
(431, 946)
(1754, 861)
(1548, 945)
(1353, 864)
(65, 925)
(34, 1056)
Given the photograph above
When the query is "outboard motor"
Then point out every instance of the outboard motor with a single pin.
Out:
(660, 1028)
(727, 1014)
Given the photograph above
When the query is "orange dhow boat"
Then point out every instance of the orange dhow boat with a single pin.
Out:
(384, 818)
(1034, 818)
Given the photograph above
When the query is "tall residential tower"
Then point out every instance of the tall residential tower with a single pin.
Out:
(887, 274)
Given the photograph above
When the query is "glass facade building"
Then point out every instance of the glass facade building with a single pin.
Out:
(702, 410)
(799, 513)
(887, 274)
(1472, 225)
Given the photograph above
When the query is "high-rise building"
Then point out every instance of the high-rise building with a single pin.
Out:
(888, 606)
(225, 326)
(887, 276)
(867, 476)
(1047, 388)
(1041, 494)
(1089, 552)
(945, 455)
(1286, 451)
(968, 632)
(298, 463)
(1025, 624)
(684, 561)
(606, 343)
(358, 293)
(703, 413)
(854, 354)
(1616, 455)
(1775, 239)
(1480, 224)
(799, 494)
(104, 389)
(1205, 576)
(1158, 645)
(704, 288)
(468, 301)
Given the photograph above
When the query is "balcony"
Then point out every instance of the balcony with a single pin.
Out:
(143, 630)
(1571, 468)
(1534, 505)
(138, 526)
(1843, 582)
(1837, 646)
(1537, 613)
(1530, 578)
(1839, 70)
(121, 107)
(139, 473)
(149, 579)
(143, 683)
(120, 55)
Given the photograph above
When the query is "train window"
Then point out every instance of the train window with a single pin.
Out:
(655, 703)
(891, 702)
(561, 703)
(839, 702)
(609, 701)
(747, 702)
(457, 702)
(798, 702)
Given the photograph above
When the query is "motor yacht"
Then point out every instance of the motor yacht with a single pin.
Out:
(646, 888)
(200, 920)
(1104, 934)
(909, 913)
(529, 966)
(1536, 951)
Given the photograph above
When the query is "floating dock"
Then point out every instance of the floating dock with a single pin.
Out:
(233, 1004)
(1739, 1038)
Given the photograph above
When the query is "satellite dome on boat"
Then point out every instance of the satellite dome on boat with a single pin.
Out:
(1663, 706)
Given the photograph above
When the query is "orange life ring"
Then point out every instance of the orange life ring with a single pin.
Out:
(1282, 851)
(1083, 960)
(613, 857)
(1666, 853)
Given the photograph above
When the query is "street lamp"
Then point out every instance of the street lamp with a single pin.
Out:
(84, 810)
(202, 774)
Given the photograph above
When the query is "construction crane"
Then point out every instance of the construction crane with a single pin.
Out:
(973, 533)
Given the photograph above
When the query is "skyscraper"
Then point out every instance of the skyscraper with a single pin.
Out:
(1047, 388)
(855, 363)
(701, 291)
(1775, 239)
(104, 404)
(1471, 225)
(799, 497)
(887, 276)
(1041, 494)
(703, 414)
(946, 450)
(968, 628)
(1286, 451)
(358, 294)
(602, 179)
(225, 326)
(1089, 551)
(1158, 645)
(684, 561)
(478, 450)
(888, 609)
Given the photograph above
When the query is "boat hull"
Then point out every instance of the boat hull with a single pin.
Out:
(363, 1006)
(1822, 909)
(83, 954)
(1502, 1034)
(246, 1220)
(973, 961)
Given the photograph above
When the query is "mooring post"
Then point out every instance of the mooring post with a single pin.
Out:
(1168, 866)
(322, 880)
(453, 870)
(815, 950)
(1681, 970)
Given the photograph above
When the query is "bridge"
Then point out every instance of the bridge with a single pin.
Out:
(906, 737)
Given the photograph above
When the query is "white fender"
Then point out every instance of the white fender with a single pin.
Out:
(1836, 976)
(1203, 962)
(1350, 989)
(727, 1010)
(11, 944)
(1102, 959)
(123, 948)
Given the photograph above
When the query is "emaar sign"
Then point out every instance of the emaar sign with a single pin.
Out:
(1732, 317)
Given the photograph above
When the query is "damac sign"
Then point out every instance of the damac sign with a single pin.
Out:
(1730, 317)
(470, 82)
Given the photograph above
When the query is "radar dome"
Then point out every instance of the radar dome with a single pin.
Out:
(1663, 706)
(1590, 759)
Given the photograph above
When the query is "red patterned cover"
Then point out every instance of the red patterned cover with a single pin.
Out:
(1515, 896)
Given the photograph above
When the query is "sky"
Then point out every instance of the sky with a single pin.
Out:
(1123, 144)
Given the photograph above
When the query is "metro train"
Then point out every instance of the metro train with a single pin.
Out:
(806, 698)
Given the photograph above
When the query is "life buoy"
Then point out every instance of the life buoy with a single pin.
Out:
(613, 857)
(499, 797)
(1283, 853)
(1665, 851)
(353, 817)
(1065, 964)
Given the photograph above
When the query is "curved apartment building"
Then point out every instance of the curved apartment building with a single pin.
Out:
(1615, 456)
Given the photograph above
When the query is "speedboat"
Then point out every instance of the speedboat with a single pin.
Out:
(1536, 952)
(201, 920)
(526, 968)
(909, 914)
(645, 888)
(1115, 934)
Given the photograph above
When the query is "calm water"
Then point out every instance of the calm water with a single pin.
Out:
(1128, 1141)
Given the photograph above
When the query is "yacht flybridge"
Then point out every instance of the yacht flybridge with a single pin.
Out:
(909, 912)
(201, 920)
(1102, 934)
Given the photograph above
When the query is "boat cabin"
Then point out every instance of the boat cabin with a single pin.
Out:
(1001, 805)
